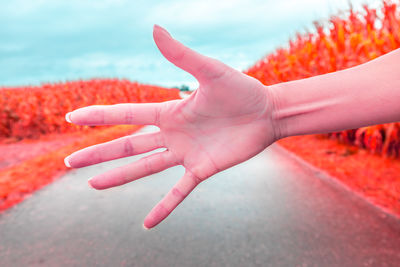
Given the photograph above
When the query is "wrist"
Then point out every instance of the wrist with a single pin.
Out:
(274, 98)
(361, 96)
(301, 107)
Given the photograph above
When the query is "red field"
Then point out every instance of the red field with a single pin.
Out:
(344, 42)
(366, 159)
(35, 138)
(370, 175)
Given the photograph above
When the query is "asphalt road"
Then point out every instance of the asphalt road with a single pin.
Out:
(268, 211)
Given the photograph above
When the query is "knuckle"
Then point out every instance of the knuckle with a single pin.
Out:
(148, 165)
(177, 193)
(129, 115)
(128, 147)
(157, 116)
(213, 69)
(197, 179)
(180, 55)
(159, 139)
(172, 157)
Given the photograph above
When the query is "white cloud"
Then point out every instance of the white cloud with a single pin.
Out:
(208, 13)
(25, 7)
(120, 64)
(237, 32)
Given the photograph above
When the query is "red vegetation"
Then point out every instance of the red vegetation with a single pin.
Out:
(370, 175)
(346, 42)
(36, 112)
(23, 178)
(28, 112)
(14, 153)
(36, 115)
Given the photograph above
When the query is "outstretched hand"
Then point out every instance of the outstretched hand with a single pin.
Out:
(227, 120)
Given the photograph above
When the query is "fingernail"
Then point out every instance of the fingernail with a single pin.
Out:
(89, 183)
(68, 117)
(145, 228)
(66, 162)
(162, 29)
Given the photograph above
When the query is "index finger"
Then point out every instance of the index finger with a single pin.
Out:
(127, 113)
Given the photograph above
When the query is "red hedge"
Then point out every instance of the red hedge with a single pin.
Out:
(343, 43)
(28, 112)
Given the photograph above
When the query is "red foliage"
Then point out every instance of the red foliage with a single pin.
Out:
(28, 112)
(38, 112)
(349, 41)
(19, 181)
(16, 152)
(374, 177)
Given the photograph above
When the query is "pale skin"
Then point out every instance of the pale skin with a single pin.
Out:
(230, 118)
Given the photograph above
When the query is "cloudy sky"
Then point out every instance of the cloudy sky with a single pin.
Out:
(52, 41)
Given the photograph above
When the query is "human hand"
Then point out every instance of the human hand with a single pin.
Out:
(226, 121)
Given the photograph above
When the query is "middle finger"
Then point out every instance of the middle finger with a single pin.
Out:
(118, 148)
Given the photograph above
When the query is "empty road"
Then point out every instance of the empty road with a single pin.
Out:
(269, 211)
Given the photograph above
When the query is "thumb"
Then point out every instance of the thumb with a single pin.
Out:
(200, 66)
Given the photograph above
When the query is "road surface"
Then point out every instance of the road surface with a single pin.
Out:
(269, 211)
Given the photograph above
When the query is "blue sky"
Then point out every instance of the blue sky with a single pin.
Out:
(54, 41)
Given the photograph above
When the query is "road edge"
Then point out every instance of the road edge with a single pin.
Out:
(331, 180)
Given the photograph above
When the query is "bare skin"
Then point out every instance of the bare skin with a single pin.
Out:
(206, 133)
(232, 117)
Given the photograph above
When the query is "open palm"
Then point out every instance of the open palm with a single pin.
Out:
(227, 120)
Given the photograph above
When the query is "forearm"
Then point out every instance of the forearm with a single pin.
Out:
(365, 95)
